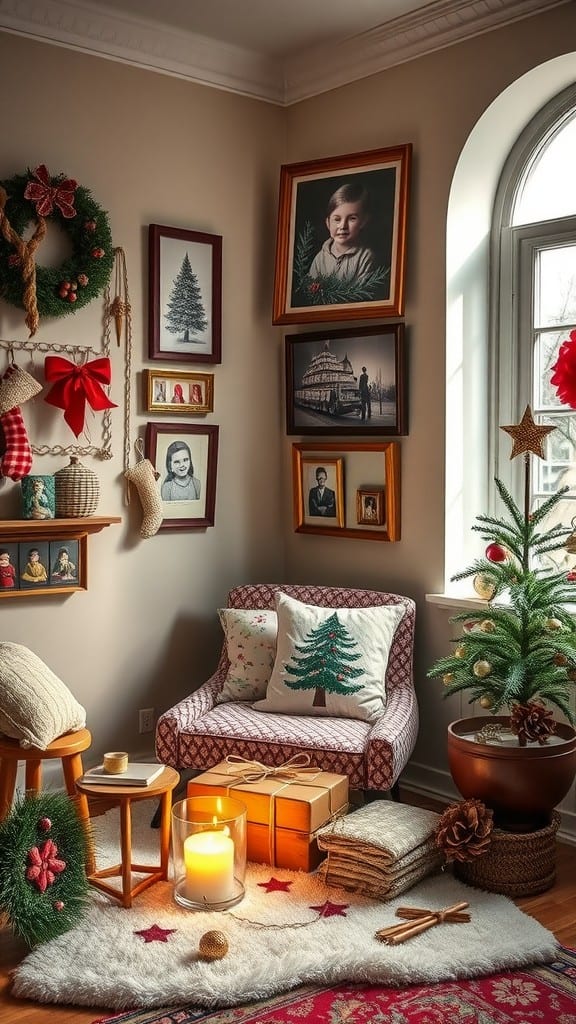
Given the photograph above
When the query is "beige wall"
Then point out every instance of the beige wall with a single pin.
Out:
(155, 149)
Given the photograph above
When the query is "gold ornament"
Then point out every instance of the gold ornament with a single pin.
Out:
(487, 626)
(460, 651)
(486, 703)
(553, 624)
(481, 669)
(448, 678)
(213, 946)
(570, 544)
(527, 436)
(483, 587)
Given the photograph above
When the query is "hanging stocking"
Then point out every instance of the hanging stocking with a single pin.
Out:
(144, 478)
(16, 387)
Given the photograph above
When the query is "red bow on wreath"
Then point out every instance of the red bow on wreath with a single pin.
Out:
(46, 196)
(75, 385)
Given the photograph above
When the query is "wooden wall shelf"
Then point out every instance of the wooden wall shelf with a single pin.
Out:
(31, 544)
(20, 529)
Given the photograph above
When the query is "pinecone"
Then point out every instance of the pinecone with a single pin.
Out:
(464, 830)
(532, 722)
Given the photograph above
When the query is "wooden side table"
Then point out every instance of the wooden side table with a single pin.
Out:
(123, 796)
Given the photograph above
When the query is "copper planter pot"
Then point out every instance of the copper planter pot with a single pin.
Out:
(522, 785)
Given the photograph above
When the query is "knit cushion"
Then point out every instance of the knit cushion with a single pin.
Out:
(331, 661)
(35, 705)
(251, 649)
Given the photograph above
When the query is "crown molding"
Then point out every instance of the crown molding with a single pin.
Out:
(79, 25)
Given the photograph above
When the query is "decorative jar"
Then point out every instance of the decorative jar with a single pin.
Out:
(77, 490)
(209, 852)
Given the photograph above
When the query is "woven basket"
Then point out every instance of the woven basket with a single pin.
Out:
(77, 491)
(516, 864)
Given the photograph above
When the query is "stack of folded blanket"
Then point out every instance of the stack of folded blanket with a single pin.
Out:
(380, 850)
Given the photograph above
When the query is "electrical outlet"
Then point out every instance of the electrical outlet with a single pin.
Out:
(146, 720)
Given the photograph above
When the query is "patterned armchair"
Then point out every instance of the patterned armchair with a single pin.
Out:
(198, 733)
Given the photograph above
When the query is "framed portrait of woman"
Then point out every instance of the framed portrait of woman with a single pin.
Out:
(341, 239)
(185, 457)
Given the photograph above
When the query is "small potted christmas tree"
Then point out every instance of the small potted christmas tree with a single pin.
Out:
(517, 654)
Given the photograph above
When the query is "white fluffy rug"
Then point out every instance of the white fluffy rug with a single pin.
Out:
(105, 962)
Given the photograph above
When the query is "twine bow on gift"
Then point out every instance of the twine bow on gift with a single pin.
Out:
(255, 771)
(418, 920)
(75, 385)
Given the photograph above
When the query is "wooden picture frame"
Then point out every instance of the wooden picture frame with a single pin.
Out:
(185, 455)
(185, 295)
(347, 382)
(321, 493)
(370, 468)
(370, 506)
(180, 392)
(341, 237)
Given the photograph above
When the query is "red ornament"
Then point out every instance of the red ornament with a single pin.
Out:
(90, 225)
(314, 287)
(58, 905)
(72, 296)
(82, 280)
(98, 253)
(564, 376)
(44, 824)
(571, 575)
(495, 553)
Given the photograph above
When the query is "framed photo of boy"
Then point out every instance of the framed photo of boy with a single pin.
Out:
(185, 295)
(173, 391)
(346, 382)
(341, 238)
(185, 457)
(320, 494)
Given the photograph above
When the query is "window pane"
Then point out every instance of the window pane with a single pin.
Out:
(546, 347)
(555, 286)
(547, 190)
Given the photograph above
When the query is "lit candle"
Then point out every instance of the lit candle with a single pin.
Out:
(209, 864)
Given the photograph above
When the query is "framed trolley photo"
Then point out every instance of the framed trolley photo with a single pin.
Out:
(341, 237)
(185, 295)
(347, 382)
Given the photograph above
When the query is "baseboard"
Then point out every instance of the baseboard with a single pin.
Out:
(438, 785)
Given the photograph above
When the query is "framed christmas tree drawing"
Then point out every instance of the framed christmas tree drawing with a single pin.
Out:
(185, 289)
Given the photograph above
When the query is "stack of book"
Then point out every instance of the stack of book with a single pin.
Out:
(136, 774)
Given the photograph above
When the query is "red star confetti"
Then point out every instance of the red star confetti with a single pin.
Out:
(275, 885)
(155, 933)
(329, 909)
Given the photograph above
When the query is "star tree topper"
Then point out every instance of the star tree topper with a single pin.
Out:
(527, 435)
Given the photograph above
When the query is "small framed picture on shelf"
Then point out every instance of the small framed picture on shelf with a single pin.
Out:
(341, 238)
(362, 512)
(185, 456)
(184, 393)
(34, 564)
(185, 295)
(347, 382)
(9, 567)
(370, 507)
(43, 565)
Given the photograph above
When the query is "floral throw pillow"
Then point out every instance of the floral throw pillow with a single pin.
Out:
(331, 661)
(251, 649)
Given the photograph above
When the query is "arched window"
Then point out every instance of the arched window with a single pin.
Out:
(533, 278)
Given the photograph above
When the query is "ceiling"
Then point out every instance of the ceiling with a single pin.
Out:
(281, 51)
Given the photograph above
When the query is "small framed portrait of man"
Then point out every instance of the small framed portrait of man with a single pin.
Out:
(321, 493)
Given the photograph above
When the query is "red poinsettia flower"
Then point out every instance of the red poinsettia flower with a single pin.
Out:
(564, 376)
(44, 865)
(46, 195)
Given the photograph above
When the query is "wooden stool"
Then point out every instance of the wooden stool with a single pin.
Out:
(161, 787)
(67, 748)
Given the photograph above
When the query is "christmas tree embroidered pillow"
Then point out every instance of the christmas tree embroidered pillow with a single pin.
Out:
(331, 661)
(251, 649)
(35, 705)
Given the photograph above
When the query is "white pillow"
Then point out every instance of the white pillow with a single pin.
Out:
(251, 649)
(335, 642)
(35, 705)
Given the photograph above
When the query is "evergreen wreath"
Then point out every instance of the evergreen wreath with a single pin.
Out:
(36, 197)
(43, 884)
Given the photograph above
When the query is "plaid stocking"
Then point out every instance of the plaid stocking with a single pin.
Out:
(16, 458)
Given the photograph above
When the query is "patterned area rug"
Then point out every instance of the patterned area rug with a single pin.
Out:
(541, 994)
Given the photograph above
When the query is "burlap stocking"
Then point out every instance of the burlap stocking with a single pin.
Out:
(144, 478)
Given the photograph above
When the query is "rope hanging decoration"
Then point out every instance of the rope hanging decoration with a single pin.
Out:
(36, 197)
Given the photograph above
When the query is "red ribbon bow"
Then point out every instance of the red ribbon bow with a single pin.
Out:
(45, 195)
(75, 385)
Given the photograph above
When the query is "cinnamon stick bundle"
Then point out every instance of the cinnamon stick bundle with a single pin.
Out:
(418, 920)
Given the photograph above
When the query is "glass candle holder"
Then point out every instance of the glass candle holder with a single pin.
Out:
(209, 852)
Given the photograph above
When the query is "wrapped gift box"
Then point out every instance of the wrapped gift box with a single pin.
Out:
(283, 813)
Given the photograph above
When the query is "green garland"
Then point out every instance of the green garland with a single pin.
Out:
(84, 274)
(37, 916)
